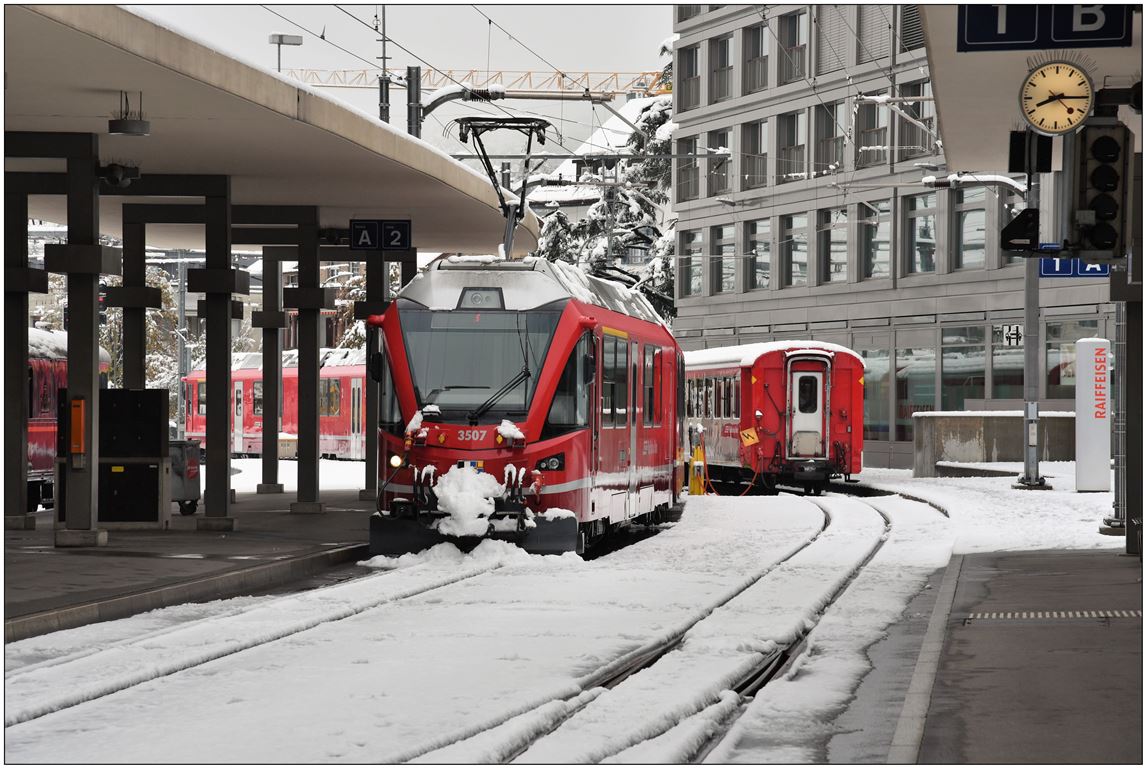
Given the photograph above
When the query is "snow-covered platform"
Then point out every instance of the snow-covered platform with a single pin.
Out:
(46, 589)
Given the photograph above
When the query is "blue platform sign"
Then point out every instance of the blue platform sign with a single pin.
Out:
(1039, 27)
(1052, 267)
(380, 234)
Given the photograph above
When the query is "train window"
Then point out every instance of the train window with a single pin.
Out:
(708, 389)
(735, 397)
(570, 407)
(201, 386)
(650, 391)
(808, 396)
(389, 414)
(718, 409)
(257, 398)
(608, 376)
(621, 390)
(330, 397)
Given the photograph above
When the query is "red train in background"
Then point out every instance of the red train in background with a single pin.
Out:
(341, 404)
(47, 373)
(787, 412)
(557, 392)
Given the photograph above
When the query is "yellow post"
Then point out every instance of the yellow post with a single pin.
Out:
(696, 473)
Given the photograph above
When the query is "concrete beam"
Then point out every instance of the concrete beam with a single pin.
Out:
(272, 372)
(15, 357)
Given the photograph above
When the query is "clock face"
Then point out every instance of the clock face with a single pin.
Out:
(1056, 98)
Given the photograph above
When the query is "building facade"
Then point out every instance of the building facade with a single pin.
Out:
(800, 155)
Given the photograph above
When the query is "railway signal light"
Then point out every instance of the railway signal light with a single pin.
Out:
(1102, 197)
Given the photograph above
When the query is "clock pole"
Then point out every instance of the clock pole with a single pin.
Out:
(1030, 478)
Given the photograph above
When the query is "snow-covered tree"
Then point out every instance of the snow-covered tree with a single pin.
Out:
(556, 242)
(352, 290)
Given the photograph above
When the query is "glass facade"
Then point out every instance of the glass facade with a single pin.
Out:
(832, 237)
(691, 262)
(970, 228)
(1007, 361)
(964, 371)
(876, 422)
(1060, 368)
(723, 259)
(875, 238)
(758, 238)
(914, 387)
(794, 249)
(921, 243)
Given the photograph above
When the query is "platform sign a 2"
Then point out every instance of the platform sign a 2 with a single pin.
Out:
(1042, 27)
(380, 234)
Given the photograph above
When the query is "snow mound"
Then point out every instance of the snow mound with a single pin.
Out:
(466, 495)
(444, 554)
(489, 552)
(510, 431)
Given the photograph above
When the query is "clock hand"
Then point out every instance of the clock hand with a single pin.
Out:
(1053, 97)
(1072, 97)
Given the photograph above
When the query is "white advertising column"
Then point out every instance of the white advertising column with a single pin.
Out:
(1092, 415)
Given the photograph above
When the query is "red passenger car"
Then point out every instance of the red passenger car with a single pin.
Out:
(563, 387)
(782, 411)
(47, 373)
(341, 403)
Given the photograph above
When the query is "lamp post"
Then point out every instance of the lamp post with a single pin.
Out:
(279, 40)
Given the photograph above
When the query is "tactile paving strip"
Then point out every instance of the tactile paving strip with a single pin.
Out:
(996, 615)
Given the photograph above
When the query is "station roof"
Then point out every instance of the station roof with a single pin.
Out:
(977, 93)
(281, 143)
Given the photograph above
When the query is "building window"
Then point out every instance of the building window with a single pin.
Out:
(794, 249)
(719, 167)
(720, 62)
(914, 387)
(874, 38)
(687, 170)
(1015, 203)
(754, 154)
(831, 39)
(723, 259)
(871, 134)
(756, 44)
(692, 257)
(876, 421)
(964, 372)
(686, 12)
(921, 233)
(329, 397)
(832, 238)
(1007, 362)
(1061, 374)
(793, 36)
(758, 264)
(917, 136)
(875, 238)
(910, 28)
(688, 63)
(970, 228)
(791, 160)
(830, 122)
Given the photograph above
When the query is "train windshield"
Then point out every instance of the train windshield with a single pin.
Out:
(459, 359)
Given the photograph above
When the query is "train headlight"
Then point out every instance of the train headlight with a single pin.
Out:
(395, 461)
(552, 463)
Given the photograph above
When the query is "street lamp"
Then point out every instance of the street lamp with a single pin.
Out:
(279, 40)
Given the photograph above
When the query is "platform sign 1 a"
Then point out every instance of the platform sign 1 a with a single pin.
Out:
(1050, 266)
(1042, 27)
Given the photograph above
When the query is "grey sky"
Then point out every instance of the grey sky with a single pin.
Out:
(596, 38)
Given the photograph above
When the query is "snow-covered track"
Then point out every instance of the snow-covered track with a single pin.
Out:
(39, 689)
(741, 646)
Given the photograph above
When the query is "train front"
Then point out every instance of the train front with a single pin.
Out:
(483, 410)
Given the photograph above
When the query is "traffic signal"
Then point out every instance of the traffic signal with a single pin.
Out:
(1103, 199)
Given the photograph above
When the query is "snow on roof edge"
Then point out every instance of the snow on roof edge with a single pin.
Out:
(742, 355)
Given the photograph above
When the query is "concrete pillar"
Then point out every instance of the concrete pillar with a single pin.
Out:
(309, 318)
(272, 369)
(82, 498)
(376, 291)
(217, 495)
(134, 318)
(16, 363)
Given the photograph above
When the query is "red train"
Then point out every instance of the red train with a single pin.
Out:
(341, 404)
(47, 373)
(543, 403)
(782, 411)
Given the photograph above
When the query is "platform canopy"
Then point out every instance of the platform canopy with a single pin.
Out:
(281, 144)
(977, 93)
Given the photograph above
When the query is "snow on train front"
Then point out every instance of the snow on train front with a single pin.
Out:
(495, 366)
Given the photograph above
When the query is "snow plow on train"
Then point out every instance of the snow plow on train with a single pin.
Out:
(525, 401)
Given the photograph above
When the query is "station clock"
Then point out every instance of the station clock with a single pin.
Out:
(1056, 98)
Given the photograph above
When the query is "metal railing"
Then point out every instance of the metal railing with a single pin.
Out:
(790, 165)
(872, 137)
(720, 84)
(689, 93)
(755, 171)
(793, 64)
(915, 141)
(829, 151)
(718, 180)
(755, 74)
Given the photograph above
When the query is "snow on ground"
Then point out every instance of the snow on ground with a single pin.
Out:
(398, 680)
(988, 515)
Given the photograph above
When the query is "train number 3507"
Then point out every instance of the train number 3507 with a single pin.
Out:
(473, 435)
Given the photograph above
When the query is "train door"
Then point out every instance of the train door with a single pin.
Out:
(634, 398)
(806, 391)
(237, 424)
(357, 439)
(614, 445)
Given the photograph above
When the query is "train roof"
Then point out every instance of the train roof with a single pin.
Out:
(53, 345)
(525, 284)
(746, 354)
(327, 358)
